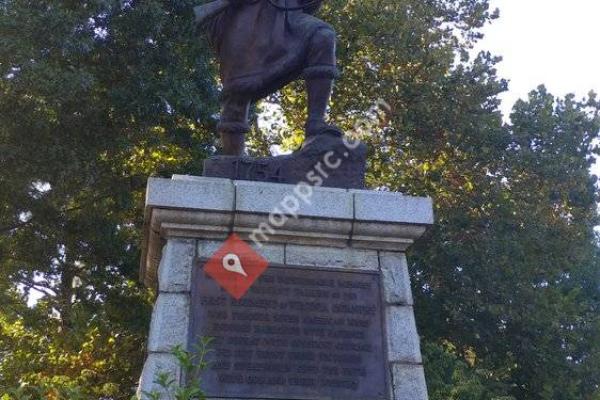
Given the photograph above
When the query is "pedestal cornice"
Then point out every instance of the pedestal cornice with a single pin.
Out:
(213, 208)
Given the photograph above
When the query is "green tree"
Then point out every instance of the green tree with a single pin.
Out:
(508, 277)
(513, 271)
(95, 96)
(98, 95)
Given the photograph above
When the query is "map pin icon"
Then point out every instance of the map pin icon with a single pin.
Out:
(232, 263)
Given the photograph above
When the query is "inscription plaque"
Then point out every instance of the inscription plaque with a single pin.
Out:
(297, 334)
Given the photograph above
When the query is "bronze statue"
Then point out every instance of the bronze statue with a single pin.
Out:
(262, 45)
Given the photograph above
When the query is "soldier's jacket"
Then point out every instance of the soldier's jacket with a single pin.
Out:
(261, 47)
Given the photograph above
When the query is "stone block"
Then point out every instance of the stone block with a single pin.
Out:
(170, 322)
(392, 207)
(266, 198)
(206, 248)
(175, 269)
(198, 194)
(273, 253)
(396, 279)
(402, 337)
(329, 257)
(409, 382)
(304, 230)
(191, 224)
(383, 236)
(157, 363)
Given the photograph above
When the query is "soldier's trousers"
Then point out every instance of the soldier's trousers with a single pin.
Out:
(320, 64)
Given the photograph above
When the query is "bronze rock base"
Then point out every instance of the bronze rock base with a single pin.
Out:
(323, 160)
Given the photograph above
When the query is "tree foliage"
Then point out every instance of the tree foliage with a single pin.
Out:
(95, 97)
(508, 277)
(98, 95)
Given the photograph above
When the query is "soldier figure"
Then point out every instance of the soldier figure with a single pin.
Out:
(262, 45)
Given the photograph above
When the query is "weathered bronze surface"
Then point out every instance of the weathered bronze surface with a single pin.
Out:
(261, 46)
(298, 334)
(323, 161)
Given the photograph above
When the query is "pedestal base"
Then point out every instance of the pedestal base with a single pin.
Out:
(332, 318)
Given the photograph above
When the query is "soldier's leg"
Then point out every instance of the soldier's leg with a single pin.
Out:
(319, 75)
(234, 125)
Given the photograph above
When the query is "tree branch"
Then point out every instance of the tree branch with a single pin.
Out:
(6, 229)
(38, 288)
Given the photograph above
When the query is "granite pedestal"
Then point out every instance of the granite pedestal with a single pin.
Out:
(332, 318)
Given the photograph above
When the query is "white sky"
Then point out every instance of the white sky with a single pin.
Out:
(554, 42)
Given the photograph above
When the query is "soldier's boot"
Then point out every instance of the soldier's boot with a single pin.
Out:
(234, 125)
(233, 142)
(319, 94)
(319, 76)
